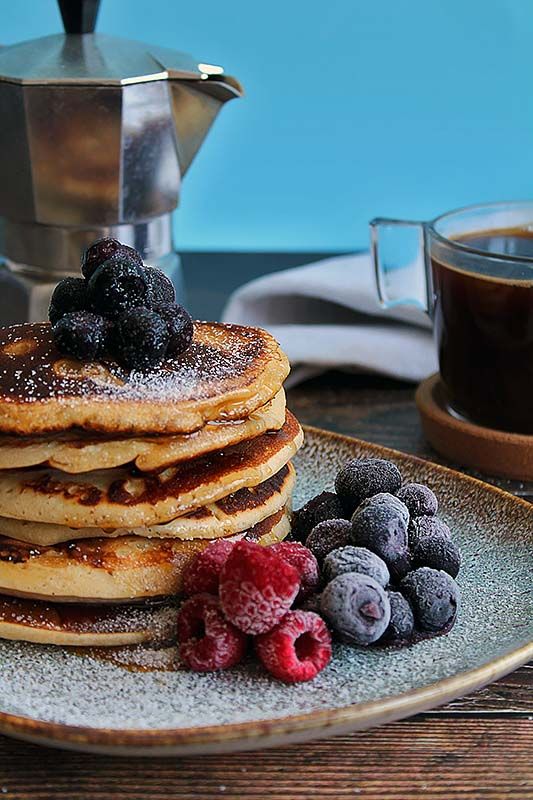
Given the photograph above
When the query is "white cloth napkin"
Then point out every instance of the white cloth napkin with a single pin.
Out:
(326, 315)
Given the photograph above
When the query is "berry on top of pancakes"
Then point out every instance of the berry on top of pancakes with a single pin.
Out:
(120, 308)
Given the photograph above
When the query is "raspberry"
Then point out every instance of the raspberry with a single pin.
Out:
(180, 327)
(119, 285)
(257, 587)
(297, 649)
(304, 561)
(140, 339)
(103, 250)
(207, 641)
(161, 286)
(203, 574)
(328, 536)
(320, 508)
(69, 295)
(80, 334)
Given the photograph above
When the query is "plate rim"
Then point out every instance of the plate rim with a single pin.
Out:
(296, 727)
(300, 727)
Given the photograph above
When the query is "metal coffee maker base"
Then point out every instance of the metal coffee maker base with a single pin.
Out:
(38, 256)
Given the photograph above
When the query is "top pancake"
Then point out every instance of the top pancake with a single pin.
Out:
(227, 373)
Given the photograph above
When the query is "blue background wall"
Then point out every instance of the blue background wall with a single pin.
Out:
(353, 108)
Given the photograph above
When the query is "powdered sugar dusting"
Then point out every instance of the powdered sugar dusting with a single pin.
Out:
(158, 619)
(138, 658)
(495, 536)
(32, 369)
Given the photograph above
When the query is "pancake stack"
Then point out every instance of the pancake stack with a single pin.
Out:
(111, 481)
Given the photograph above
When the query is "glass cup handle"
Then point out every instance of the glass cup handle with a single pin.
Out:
(399, 253)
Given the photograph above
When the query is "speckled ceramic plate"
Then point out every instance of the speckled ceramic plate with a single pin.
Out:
(55, 697)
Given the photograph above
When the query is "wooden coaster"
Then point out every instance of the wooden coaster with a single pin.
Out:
(507, 455)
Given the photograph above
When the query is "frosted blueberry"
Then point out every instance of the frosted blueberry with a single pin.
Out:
(439, 553)
(363, 477)
(355, 559)
(328, 536)
(324, 506)
(356, 607)
(434, 597)
(387, 499)
(402, 621)
(383, 529)
(419, 527)
(419, 499)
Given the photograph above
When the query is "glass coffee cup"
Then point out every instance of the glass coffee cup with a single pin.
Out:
(476, 283)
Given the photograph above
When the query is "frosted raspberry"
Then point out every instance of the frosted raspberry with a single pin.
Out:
(203, 573)
(297, 649)
(207, 641)
(304, 561)
(257, 587)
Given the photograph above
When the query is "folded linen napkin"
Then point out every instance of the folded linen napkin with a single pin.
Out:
(326, 315)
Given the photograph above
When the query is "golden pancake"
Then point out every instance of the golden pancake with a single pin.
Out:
(110, 570)
(122, 497)
(86, 626)
(229, 515)
(78, 451)
(227, 373)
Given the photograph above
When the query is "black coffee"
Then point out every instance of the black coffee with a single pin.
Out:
(484, 330)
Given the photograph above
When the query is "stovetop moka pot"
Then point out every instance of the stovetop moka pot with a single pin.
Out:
(97, 133)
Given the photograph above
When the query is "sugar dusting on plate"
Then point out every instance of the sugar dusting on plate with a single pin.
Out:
(57, 685)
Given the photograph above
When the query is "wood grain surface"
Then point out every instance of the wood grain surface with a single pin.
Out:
(435, 758)
(477, 748)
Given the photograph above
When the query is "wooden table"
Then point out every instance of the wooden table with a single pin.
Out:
(477, 747)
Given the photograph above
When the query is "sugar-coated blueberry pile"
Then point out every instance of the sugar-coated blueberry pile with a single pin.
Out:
(120, 308)
(388, 563)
